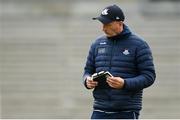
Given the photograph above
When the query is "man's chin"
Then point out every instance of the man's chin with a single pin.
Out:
(108, 35)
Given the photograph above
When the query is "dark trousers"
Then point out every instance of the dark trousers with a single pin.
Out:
(115, 115)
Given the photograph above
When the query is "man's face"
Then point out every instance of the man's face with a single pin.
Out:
(113, 28)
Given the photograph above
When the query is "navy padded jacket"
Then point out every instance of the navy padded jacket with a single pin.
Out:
(126, 56)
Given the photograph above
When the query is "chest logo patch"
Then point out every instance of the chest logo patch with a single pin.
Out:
(101, 50)
(126, 52)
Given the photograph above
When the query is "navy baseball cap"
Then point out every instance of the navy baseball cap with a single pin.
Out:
(111, 13)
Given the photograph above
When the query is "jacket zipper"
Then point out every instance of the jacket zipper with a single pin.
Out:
(112, 51)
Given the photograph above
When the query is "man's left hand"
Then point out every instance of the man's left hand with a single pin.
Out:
(115, 82)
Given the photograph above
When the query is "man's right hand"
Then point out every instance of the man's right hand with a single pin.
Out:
(90, 83)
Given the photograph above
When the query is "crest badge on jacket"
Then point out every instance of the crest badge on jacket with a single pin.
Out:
(126, 52)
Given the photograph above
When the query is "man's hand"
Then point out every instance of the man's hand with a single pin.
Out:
(115, 82)
(90, 83)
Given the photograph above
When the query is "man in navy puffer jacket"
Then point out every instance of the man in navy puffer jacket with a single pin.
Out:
(128, 58)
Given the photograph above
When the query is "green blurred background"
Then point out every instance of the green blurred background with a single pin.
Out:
(43, 49)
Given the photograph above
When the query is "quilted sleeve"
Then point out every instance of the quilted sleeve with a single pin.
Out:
(89, 68)
(145, 67)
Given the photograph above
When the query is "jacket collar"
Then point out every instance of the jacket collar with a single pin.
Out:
(125, 33)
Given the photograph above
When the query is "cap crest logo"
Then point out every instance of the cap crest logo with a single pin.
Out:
(105, 12)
